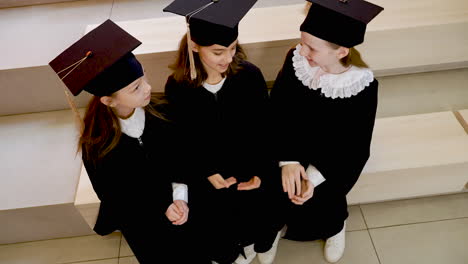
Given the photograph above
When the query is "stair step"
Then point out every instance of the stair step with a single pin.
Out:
(414, 156)
(18, 3)
(424, 37)
(420, 93)
(40, 172)
(411, 156)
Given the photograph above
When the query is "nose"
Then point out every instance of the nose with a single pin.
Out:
(147, 87)
(228, 58)
(304, 52)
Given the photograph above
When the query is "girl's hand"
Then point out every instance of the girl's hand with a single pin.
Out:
(219, 182)
(181, 207)
(307, 192)
(253, 183)
(173, 213)
(291, 177)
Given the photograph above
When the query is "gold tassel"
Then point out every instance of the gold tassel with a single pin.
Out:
(78, 120)
(193, 72)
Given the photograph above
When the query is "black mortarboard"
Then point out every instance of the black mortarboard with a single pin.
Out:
(342, 22)
(101, 62)
(212, 21)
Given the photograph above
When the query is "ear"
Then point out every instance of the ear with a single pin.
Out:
(342, 52)
(194, 46)
(107, 100)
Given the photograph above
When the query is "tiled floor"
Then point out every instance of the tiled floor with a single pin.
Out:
(430, 230)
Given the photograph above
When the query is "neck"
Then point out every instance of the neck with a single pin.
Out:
(214, 77)
(124, 112)
(336, 68)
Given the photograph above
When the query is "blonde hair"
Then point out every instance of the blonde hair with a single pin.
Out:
(353, 58)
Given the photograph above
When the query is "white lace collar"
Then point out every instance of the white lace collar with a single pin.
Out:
(135, 124)
(342, 85)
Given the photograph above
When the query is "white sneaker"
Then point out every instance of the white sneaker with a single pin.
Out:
(249, 254)
(269, 256)
(335, 246)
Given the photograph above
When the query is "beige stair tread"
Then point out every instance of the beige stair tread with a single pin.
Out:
(38, 160)
(414, 156)
(398, 32)
(17, 3)
(422, 37)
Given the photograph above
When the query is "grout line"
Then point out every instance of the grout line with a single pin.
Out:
(363, 217)
(86, 261)
(417, 223)
(373, 245)
(370, 236)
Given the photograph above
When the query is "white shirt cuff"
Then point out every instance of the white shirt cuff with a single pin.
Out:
(179, 192)
(282, 163)
(314, 175)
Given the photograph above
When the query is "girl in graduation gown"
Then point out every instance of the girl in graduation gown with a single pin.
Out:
(222, 112)
(325, 101)
(128, 152)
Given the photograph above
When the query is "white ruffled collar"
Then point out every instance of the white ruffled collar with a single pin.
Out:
(135, 124)
(342, 85)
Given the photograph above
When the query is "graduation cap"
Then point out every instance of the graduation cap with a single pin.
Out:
(211, 22)
(101, 62)
(342, 22)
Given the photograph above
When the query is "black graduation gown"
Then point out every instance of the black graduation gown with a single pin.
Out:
(133, 183)
(334, 135)
(227, 133)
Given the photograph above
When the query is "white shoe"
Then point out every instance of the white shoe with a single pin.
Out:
(335, 246)
(249, 255)
(269, 256)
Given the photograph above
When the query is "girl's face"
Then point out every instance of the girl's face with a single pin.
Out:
(318, 52)
(136, 94)
(216, 58)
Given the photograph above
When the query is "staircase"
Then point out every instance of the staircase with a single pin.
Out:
(418, 50)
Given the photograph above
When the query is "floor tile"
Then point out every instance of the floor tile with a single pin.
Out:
(128, 260)
(416, 210)
(125, 249)
(359, 250)
(66, 250)
(428, 243)
(355, 220)
(104, 261)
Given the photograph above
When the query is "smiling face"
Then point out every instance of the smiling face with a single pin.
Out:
(216, 58)
(319, 52)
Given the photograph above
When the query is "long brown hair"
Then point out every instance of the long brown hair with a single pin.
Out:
(353, 58)
(102, 129)
(181, 67)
